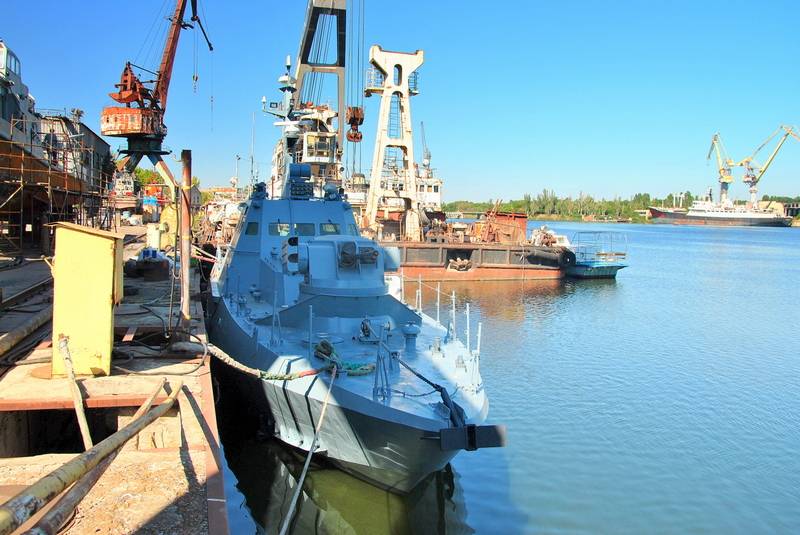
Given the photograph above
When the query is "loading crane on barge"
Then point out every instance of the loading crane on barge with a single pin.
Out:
(142, 124)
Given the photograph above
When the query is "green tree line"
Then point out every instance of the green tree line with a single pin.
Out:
(780, 198)
(548, 204)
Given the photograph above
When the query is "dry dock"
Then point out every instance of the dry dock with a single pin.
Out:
(167, 478)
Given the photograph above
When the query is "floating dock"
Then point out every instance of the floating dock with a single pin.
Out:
(168, 477)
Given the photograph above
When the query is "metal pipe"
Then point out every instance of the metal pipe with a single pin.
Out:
(186, 238)
(16, 335)
(467, 329)
(438, 300)
(77, 397)
(453, 313)
(26, 503)
(52, 521)
(310, 331)
(272, 339)
(419, 292)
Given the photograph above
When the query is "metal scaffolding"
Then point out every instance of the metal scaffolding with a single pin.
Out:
(50, 171)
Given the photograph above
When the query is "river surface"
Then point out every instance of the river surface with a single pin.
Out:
(665, 401)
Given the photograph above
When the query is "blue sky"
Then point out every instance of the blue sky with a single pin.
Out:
(605, 98)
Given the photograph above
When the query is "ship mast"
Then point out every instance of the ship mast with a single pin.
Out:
(312, 143)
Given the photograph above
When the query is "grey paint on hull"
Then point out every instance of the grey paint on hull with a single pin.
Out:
(381, 445)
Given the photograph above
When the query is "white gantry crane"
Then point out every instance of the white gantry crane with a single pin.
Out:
(393, 182)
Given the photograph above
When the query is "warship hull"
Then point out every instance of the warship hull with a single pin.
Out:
(381, 445)
(720, 219)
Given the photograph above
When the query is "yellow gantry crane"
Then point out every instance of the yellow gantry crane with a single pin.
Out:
(724, 164)
(753, 171)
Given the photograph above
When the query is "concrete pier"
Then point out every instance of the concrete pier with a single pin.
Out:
(167, 479)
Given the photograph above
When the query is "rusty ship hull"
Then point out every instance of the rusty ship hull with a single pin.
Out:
(481, 261)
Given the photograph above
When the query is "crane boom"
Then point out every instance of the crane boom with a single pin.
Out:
(143, 125)
(171, 47)
(426, 153)
(168, 56)
(754, 173)
(791, 132)
(772, 156)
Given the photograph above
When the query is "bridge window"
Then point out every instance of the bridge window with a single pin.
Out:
(326, 229)
(279, 229)
(251, 229)
(12, 63)
(305, 229)
(398, 75)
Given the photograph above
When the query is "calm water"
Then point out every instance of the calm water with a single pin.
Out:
(663, 402)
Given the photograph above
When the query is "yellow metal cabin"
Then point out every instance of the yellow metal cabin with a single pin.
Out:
(87, 276)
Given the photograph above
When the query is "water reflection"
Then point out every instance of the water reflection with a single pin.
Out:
(501, 299)
(334, 502)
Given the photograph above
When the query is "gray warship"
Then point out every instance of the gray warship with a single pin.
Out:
(298, 292)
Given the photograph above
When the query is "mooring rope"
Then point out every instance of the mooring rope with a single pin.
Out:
(261, 374)
(314, 444)
(324, 350)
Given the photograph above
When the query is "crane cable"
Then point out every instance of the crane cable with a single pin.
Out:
(361, 73)
(355, 73)
(149, 39)
(211, 68)
(314, 445)
(195, 69)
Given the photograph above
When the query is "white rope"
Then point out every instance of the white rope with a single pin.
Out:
(288, 518)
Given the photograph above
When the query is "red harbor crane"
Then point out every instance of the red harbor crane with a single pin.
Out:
(141, 119)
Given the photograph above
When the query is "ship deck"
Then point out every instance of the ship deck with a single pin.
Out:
(452, 367)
